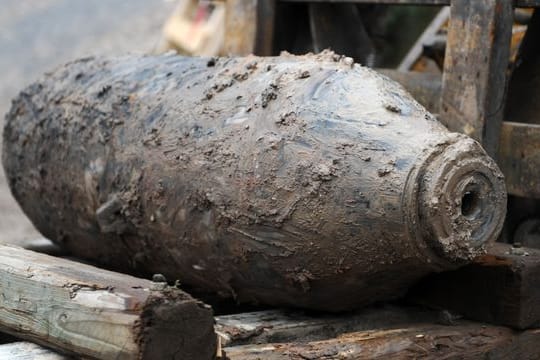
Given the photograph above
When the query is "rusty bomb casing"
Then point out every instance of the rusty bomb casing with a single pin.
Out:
(295, 180)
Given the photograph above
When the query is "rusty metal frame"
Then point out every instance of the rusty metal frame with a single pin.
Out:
(475, 75)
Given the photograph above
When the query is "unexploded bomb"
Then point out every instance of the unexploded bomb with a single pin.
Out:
(291, 180)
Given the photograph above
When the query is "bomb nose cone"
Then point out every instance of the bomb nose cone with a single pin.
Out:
(462, 202)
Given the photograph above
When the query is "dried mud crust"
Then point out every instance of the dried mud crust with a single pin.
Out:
(298, 180)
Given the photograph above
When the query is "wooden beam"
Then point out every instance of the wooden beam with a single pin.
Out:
(240, 27)
(84, 310)
(519, 143)
(475, 69)
(264, 37)
(500, 288)
(519, 158)
(6, 338)
(414, 54)
(290, 326)
(22, 350)
(463, 341)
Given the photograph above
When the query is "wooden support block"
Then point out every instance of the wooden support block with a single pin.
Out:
(502, 287)
(84, 310)
(475, 69)
(23, 350)
(293, 326)
(264, 36)
(463, 341)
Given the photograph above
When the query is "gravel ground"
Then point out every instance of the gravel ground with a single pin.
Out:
(36, 36)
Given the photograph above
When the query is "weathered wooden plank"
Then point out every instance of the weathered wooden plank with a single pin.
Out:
(500, 288)
(527, 3)
(81, 309)
(294, 326)
(519, 143)
(475, 69)
(518, 3)
(463, 341)
(23, 350)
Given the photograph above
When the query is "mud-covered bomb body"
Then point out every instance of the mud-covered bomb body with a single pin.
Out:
(304, 181)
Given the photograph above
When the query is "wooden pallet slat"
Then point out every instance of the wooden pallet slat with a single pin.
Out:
(84, 310)
(502, 287)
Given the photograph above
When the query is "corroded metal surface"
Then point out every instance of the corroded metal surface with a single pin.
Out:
(519, 143)
(306, 181)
